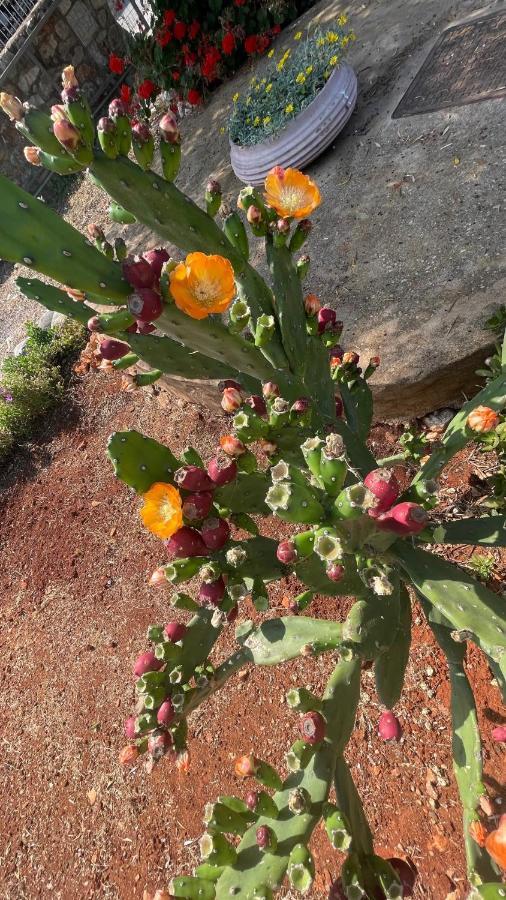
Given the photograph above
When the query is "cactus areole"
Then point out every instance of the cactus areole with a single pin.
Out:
(296, 448)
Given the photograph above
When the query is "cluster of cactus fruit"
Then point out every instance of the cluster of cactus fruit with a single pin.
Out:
(297, 449)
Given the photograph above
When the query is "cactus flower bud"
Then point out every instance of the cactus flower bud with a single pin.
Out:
(257, 404)
(221, 469)
(106, 125)
(287, 552)
(499, 734)
(111, 349)
(231, 400)
(389, 727)
(128, 755)
(139, 273)
(312, 305)
(326, 318)
(158, 744)
(266, 839)
(68, 78)
(93, 324)
(212, 591)
(213, 197)
(141, 133)
(482, 419)
(66, 134)
(215, 533)
(231, 445)
(157, 579)
(146, 662)
(145, 327)
(185, 542)
(118, 107)
(193, 478)
(270, 390)
(300, 406)
(251, 800)
(385, 487)
(166, 713)
(129, 728)
(254, 215)
(213, 186)
(58, 113)
(12, 107)
(246, 766)
(175, 631)
(313, 727)
(197, 506)
(169, 130)
(32, 155)
(283, 226)
(350, 358)
(156, 259)
(95, 232)
(335, 572)
(405, 518)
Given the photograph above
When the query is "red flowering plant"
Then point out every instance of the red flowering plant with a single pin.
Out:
(189, 50)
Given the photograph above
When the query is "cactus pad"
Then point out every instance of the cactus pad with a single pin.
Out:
(140, 461)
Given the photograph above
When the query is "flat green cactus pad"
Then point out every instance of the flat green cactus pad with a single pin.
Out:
(140, 461)
(278, 640)
(53, 299)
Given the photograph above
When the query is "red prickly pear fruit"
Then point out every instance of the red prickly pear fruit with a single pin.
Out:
(406, 872)
(221, 469)
(158, 744)
(138, 272)
(287, 552)
(251, 800)
(166, 713)
(269, 390)
(326, 318)
(499, 734)
(193, 478)
(146, 304)
(232, 614)
(174, 631)
(257, 404)
(156, 258)
(385, 487)
(231, 400)
(129, 728)
(266, 839)
(132, 329)
(335, 572)
(144, 327)
(212, 591)
(197, 506)
(313, 727)
(185, 542)
(231, 445)
(389, 727)
(111, 349)
(405, 518)
(215, 533)
(146, 662)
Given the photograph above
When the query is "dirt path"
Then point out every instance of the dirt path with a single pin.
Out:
(75, 606)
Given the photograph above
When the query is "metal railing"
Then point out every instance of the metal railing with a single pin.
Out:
(133, 15)
(13, 13)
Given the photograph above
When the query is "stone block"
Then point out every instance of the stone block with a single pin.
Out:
(65, 6)
(28, 78)
(62, 29)
(82, 22)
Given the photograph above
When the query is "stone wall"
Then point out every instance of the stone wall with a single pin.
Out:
(81, 32)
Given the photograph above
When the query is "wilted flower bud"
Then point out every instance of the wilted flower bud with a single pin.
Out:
(95, 232)
(270, 390)
(350, 358)
(311, 304)
(245, 766)
(58, 113)
(231, 400)
(106, 125)
(66, 134)
(128, 755)
(141, 132)
(169, 130)
(254, 216)
(482, 419)
(32, 155)
(231, 445)
(12, 107)
(68, 78)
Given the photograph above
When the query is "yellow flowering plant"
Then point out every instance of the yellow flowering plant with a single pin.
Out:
(294, 76)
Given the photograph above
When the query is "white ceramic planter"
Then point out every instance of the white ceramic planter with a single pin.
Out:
(308, 135)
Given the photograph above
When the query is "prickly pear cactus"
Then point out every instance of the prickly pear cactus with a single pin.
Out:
(301, 411)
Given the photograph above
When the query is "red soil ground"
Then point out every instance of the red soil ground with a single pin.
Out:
(75, 607)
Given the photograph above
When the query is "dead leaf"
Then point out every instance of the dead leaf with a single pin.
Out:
(92, 796)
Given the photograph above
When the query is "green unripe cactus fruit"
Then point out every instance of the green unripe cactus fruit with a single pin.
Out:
(216, 850)
(353, 502)
(213, 197)
(337, 827)
(143, 145)
(235, 231)
(129, 359)
(182, 570)
(120, 215)
(300, 868)
(171, 159)
(294, 503)
(302, 700)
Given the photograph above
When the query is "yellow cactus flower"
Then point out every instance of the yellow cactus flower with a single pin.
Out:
(202, 285)
(297, 36)
(291, 193)
(300, 78)
(268, 88)
(235, 97)
(162, 512)
(289, 108)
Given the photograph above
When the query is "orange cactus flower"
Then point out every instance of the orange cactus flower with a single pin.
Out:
(162, 512)
(203, 285)
(291, 193)
(245, 766)
(482, 419)
(495, 845)
(478, 832)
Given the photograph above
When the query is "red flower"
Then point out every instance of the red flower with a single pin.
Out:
(193, 30)
(276, 29)
(228, 43)
(116, 64)
(125, 93)
(179, 30)
(176, 75)
(146, 89)
(250, 44)
(163, 38)
(168, 17)
(262, 43)
(190, 58)
(194, 97)
(211, 60)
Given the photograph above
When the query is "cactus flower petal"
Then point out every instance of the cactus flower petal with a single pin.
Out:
(291, 193)
(162, 511)
(202, 285)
